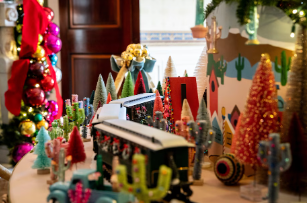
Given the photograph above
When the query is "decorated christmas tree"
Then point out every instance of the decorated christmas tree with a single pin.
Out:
(158, 106)
(111, 87)
(32, 77)
(170, 71)
(260, 116)
(100, 93)
(159, 88)
(186, 110)
(42, 161)
(200, 73)
(109, 99)
(92, 97)
(76, 147)
(128, 87)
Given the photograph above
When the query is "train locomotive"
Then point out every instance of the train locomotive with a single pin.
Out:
(115, 136)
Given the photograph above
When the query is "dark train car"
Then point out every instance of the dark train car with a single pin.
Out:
(123, 138)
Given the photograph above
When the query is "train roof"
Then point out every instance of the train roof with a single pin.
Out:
(134, 100)
(143, 135)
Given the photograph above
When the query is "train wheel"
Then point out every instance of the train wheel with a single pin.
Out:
(228, 169)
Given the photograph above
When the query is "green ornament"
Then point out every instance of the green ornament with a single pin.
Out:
(38, 117)
(19, 39)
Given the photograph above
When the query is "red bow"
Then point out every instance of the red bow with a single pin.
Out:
(106, 138)
(34, 22)
(136, 150)
(138, 108)
(125, 146)
(97, 134)
(144, 108)
(115, 141)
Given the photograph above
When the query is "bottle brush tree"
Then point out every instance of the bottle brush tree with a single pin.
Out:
(109, 99)
(186, 110)
(100, 93)
(42, 161)
(170, 71)
(111, 87)
(141, 87)
(159, 88)
(158, 106)
(76, 147)
(92, 97)
(128, 89)
(200, 73)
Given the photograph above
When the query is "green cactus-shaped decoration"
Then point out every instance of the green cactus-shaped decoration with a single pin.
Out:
(252, 26)
(99, 168)
(60, 168)
(284, 68)
(56, 131)
(239, 67)
(278, 158)
(67, 127)
(159, 122)
(139, 186)
(203, 139)
(75, 114)
(222, 68)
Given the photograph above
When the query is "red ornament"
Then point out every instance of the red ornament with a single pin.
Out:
(32, 82)
(34, 96)
(36, 69)
(49, 12)
(47, 83)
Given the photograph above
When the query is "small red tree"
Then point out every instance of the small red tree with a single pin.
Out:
(260, 117)
(234, 138)
(158, 106)
(76, 147)
(109, 99)
(139, 87)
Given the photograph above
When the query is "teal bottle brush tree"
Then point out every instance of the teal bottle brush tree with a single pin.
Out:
(278, 158)
(89, 113)
(75, 114)
(59, 168)
(252, 26)
(139, 186)
(284, 68)
(239, 66)
(203, 139)
(42, 162)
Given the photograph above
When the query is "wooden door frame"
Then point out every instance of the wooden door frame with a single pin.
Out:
(131, 8)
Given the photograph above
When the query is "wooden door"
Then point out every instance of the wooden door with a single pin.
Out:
(92, 30)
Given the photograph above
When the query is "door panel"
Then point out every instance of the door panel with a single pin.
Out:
(91, 31)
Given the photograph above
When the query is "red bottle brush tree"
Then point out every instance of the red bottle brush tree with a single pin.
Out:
(139, 87)
(76, 147)
(158, 106)
(109, 99)
(260, 116)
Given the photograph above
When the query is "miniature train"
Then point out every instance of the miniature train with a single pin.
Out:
(115, 136)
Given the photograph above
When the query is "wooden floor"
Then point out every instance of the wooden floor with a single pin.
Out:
(27, 187)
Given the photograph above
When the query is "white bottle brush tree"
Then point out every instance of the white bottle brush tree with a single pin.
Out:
(170, 71)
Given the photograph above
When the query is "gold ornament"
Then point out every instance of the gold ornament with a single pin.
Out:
(18, 28)
(145, 52)
(137, 52)
(27, 127)
(129, 56)
(124, 55)
(130, 50)
(39, 53)
(138, 46)
(40, 38)
(41, 2)
(42, 123)
(131, 46)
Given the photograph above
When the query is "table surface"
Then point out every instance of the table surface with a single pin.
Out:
(27, 186)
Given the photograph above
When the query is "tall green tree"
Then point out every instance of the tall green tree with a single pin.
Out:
(159, 88)
(128, 89)
(100, 93)
(111, 87)
(92, 97)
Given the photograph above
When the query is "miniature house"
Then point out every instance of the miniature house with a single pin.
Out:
(213, 91)
(235, 114)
